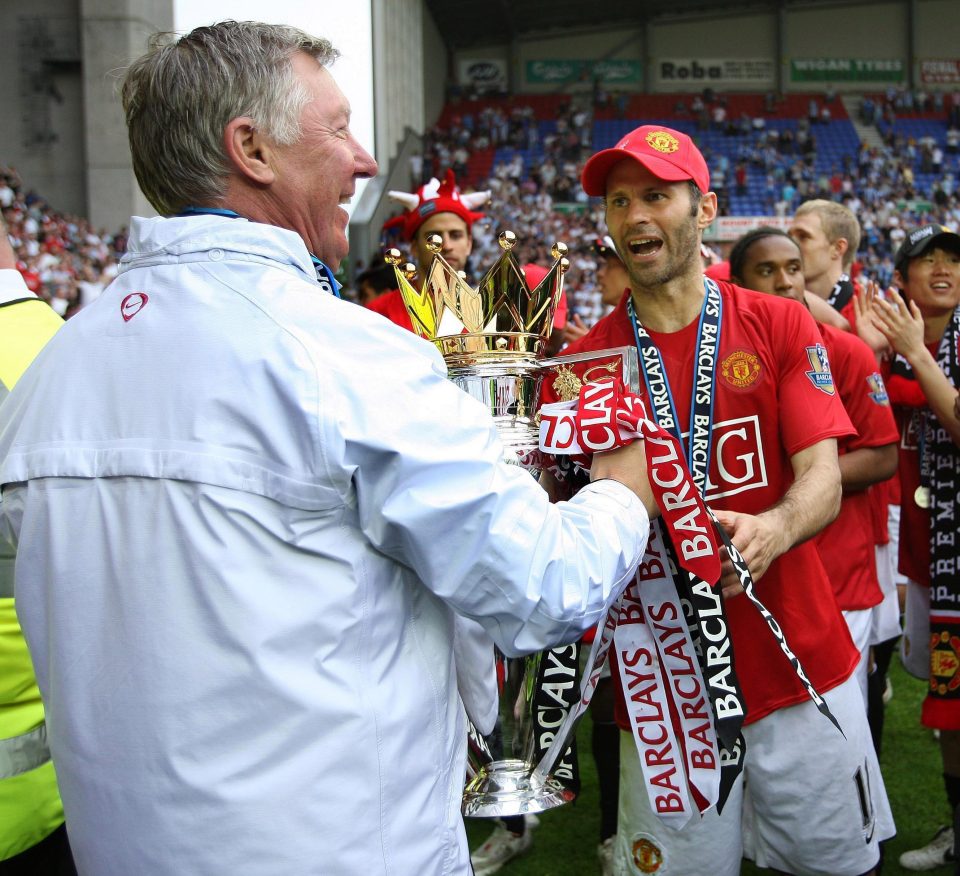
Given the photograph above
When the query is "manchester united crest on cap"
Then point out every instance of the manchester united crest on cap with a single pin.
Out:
(662, 141)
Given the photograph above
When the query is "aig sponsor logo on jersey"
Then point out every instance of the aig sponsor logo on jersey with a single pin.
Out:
(819, 374)
(738, 464)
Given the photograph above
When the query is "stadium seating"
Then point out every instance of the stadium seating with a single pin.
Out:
(837, 142)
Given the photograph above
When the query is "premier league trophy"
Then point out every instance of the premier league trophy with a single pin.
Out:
(493, 339)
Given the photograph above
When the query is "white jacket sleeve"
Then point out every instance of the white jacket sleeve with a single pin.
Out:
(434, 493)
(476, 673)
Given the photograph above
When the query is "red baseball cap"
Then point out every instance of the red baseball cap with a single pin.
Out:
(667, 154)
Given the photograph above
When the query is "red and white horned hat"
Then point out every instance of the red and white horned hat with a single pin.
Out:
(436, 197)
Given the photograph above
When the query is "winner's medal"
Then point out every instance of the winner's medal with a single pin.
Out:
(921, 495)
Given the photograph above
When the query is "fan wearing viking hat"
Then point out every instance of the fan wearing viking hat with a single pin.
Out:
(439, 208)
(436, 208)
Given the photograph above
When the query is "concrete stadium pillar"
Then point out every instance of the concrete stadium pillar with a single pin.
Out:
(113, 33)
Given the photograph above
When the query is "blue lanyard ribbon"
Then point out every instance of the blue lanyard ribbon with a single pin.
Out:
(699, 449)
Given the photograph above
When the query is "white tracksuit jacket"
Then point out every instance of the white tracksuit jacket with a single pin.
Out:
(247, 512)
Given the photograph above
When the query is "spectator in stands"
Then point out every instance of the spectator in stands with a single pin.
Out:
(621, 103)
(953, 139)
(601, 97)
(719, 114)
(936, 159)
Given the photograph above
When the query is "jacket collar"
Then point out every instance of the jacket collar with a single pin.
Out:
(169, 239)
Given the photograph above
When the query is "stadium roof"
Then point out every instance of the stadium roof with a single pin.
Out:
(467, 23)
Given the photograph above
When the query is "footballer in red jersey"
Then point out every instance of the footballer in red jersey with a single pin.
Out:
(769, 261)
(773, 481)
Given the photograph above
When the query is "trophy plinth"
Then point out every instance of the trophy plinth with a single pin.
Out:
(510, 787)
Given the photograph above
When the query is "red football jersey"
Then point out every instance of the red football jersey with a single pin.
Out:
(847, 546)
(774, 397)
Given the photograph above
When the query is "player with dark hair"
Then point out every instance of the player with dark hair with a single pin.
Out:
(767, 418)
(770, 261)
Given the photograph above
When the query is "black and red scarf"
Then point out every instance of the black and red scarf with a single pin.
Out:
(939, 489)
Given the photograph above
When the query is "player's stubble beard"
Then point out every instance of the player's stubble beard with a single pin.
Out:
(682, 249)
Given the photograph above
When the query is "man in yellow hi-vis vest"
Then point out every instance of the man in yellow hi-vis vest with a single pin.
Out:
(32, 836)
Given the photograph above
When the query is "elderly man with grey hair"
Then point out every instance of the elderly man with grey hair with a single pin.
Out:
(248, 513)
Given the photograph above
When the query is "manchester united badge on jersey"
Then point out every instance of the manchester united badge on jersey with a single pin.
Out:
(819, 374)
(740, 369)
(646, 855)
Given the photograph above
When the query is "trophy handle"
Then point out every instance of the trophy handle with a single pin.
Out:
(572, 371)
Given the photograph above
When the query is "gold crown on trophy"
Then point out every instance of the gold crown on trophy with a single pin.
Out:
(502, 319)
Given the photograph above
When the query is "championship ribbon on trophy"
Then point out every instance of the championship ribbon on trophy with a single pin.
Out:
(493, 339)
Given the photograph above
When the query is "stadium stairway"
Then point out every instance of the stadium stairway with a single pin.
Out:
(867, 133)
